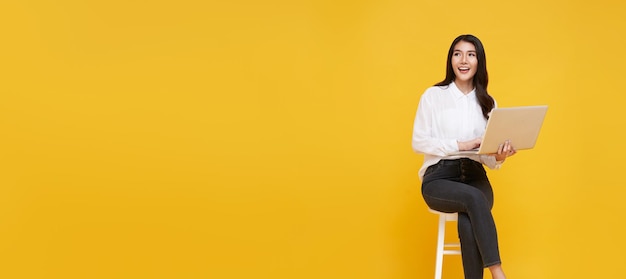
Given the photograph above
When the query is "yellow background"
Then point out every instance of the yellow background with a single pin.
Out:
(271, 139)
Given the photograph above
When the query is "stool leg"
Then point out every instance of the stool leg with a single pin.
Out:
(440, 247)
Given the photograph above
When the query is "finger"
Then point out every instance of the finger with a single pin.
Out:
(511, 152)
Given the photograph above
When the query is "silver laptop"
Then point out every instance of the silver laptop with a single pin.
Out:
(520, 125)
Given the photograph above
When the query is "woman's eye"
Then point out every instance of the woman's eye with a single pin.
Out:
(472, 54)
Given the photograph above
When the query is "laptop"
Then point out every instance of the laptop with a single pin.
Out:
(520, 125)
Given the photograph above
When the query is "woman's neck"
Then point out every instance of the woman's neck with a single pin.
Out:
(465, 86)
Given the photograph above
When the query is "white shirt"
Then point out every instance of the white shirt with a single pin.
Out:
(444, 116)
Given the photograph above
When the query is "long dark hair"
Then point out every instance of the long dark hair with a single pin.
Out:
(480, 80)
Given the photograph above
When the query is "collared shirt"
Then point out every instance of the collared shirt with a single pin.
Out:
(444, 116)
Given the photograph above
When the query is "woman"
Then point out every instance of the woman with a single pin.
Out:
(451, 117)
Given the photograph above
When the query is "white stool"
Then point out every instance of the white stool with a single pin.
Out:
(442, 247)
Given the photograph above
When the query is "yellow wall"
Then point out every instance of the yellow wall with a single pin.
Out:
(271, 139)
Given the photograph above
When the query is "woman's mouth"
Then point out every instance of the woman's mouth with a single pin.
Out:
(463, 70)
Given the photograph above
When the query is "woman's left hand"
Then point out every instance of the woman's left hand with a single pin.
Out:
(504, 151)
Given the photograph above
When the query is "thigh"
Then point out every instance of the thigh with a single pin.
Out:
(484, 186)
(476, 176)
(451, 196)
(453, 183)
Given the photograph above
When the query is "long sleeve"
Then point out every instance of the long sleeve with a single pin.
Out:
(444, 116)
(423, 139)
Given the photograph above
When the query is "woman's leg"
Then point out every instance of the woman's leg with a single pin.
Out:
(497, 272)
(473, 267)
(477, 231)
(483, 224)
(447, 188)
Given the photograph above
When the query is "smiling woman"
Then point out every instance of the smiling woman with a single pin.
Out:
(478, 79)
(464, 63)
(452, 116)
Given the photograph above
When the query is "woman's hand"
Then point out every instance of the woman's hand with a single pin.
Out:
(470, 144)
(504, 151)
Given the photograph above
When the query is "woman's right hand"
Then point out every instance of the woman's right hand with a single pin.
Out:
(470, 144)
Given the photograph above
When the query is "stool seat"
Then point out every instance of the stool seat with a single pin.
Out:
(449, 216)
(444, 248)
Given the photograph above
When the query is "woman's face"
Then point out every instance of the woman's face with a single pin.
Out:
(464, 61)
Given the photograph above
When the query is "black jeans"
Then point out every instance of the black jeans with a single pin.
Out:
(462, 186)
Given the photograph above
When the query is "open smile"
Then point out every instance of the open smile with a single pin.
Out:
(463, 70)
